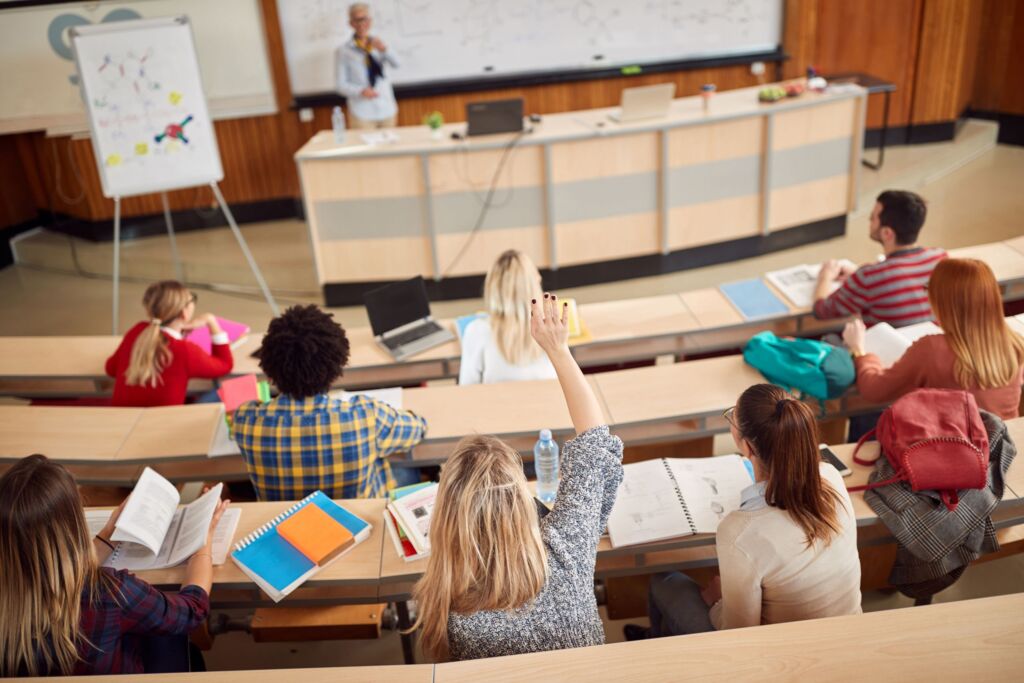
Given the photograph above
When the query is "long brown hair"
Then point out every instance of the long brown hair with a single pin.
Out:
(486, 551)
(164, 301)
(511, 283)
(48, 561)
(964, 295)
(784, 435)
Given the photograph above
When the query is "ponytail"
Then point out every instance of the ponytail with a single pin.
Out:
(164, 301)
(784, 435)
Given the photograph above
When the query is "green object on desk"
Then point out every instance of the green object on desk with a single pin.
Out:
(631, 70)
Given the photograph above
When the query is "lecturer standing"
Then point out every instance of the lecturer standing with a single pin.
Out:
(361, 64)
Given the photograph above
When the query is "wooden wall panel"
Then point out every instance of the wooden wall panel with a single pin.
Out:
(999, 78)
(927, 47)
(878, 37)
(16, 203)
(946, 58)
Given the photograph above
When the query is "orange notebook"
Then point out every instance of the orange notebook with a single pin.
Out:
(316, 534)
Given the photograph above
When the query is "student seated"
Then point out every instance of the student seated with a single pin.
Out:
(790, 552)
(893, 289)
(154, 363)
(499, 581)
(61, 611)
(978, 351)
(499, 348)
(303, 439)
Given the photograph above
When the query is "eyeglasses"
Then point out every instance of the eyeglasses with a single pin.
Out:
(730, 416)
(360, 20)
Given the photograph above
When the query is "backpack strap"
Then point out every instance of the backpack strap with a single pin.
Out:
(860, 442)
(864, 487)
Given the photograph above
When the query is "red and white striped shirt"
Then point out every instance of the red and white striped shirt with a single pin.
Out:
(893, 291)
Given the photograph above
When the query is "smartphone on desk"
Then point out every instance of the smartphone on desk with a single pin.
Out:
(831, 458)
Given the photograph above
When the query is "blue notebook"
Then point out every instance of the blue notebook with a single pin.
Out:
(275, 564)
(753, 299)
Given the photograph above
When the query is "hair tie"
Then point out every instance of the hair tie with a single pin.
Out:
(779, 405)
(156, 321)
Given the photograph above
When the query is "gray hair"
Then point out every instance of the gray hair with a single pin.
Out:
(357, 7)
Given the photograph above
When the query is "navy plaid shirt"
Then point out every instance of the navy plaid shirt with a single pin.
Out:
(293, 447)
(113, 621)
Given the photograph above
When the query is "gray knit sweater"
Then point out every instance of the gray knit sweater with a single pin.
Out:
(564, 614)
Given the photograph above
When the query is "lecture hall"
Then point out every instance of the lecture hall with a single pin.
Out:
(475, 340)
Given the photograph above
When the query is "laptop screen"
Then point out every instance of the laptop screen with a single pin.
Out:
(396, 304)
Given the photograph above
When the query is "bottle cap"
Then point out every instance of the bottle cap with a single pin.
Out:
(545, 435)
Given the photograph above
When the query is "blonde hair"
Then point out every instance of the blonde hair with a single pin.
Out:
(48, 562)
(964, 295)
(486, 550)
(164, 301)
(511, 283)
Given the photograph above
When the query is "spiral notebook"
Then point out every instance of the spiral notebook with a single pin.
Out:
(672, 497)
(276, 565)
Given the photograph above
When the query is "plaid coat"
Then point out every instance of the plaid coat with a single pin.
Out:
(936, 545)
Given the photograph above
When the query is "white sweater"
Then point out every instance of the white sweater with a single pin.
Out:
(770, 576)
(482, 362)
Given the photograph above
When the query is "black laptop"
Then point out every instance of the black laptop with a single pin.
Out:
(400, 318)
(494, 116)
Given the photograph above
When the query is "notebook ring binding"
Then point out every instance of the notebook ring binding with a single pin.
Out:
(272, 523)
(679, 495)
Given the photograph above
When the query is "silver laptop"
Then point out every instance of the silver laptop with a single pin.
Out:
(646, 102)
(401, 321)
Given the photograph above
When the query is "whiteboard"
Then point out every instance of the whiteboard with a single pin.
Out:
(39, 86)
(444, 40)
(151, 130)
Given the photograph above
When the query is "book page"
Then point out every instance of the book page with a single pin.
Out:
(711, 487)
(196, 517)
(414, 511)
(796, 284)
(223, 444)
(135, 556)
(390, 395)
(647, 507)
(886, 342)
(914, 332)
(149, 511)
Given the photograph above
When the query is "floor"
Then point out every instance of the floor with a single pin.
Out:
(62, 286)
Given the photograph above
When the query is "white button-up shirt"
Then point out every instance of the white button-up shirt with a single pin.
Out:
(352, 77)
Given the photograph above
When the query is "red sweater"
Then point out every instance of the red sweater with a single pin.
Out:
(188, 361)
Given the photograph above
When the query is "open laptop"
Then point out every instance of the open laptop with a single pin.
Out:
(494, 116)
(400, 319)
(646, 102)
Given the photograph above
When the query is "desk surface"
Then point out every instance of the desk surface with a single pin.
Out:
(972, 639)
(573, 125)
(409, 673)
(629, 325)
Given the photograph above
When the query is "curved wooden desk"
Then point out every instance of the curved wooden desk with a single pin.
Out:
(766, 177)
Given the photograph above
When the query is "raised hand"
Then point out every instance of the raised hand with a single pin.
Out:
(549, 324)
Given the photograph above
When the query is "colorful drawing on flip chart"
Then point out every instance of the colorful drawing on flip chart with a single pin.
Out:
(141, 148)
(174, 97)
(114, 160)
(174, 130)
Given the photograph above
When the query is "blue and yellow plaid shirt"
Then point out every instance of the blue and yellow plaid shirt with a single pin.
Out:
(294, 447)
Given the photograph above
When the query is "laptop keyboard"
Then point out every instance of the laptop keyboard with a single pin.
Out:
(409, 336)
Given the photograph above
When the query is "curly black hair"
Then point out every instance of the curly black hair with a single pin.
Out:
(303, 351)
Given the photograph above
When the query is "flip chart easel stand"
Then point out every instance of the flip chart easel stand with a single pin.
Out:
(178, 271)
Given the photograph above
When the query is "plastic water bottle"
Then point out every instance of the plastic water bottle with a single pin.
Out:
(545, 460)
(338, 124)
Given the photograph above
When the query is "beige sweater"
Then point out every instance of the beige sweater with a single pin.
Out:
(769, 575)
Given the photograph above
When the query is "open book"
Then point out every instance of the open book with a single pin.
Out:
(671, 497)
(798, 283)
(153, 532)
(889, 343)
